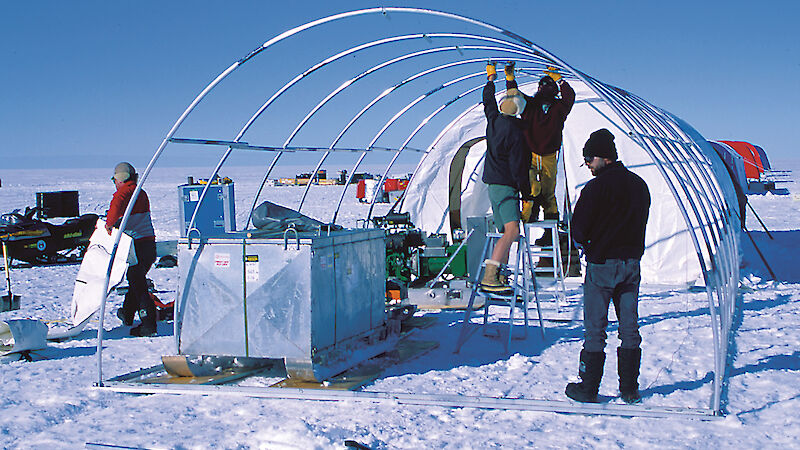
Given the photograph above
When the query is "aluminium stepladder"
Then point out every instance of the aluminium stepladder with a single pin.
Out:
(552, 251)
(522, 280)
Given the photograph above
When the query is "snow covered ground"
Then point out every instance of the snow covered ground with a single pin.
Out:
(51, 403)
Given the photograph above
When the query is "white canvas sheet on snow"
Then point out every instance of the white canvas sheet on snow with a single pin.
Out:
(88, 293)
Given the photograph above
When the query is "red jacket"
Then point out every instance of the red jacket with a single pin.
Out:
(543, 130)
(139, 225)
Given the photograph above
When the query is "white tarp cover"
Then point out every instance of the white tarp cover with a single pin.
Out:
(670, 257)
(88, 293)
(19, 335)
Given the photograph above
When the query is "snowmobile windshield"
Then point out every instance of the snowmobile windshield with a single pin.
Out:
(10, 219)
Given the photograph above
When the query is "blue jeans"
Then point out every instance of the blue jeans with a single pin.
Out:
(617, 280)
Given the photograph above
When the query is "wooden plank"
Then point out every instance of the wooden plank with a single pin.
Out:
(368, 371)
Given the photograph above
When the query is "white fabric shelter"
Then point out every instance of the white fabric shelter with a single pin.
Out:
(669, 257)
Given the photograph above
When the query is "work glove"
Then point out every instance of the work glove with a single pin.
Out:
(491, 72)
(552, 72)
(509, 69)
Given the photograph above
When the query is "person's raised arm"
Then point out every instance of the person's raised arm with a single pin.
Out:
(489, 102)
(567, 93)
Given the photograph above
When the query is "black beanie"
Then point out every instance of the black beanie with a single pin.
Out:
(600, 143)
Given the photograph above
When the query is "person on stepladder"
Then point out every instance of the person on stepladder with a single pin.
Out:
(543, 124)
(505, 171)
(609, 221)
(140, 228)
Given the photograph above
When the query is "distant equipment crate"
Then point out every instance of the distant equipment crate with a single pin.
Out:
(57, 204)
(217, 214)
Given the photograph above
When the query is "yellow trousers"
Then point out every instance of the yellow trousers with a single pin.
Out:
(542, 175)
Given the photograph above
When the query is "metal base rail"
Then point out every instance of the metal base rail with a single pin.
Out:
(441, 400)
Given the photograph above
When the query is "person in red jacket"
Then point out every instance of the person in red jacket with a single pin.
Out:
(140, 228)
(543, 121)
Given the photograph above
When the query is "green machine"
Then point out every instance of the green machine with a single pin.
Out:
(413, 258)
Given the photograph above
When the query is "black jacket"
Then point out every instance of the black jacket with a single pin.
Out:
(507, 155)
(611, 215)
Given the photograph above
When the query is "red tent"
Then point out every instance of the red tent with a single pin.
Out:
(753, 165)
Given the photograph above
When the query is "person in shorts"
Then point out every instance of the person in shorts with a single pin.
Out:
(505, 171)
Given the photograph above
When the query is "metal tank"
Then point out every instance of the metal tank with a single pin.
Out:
(315, 301)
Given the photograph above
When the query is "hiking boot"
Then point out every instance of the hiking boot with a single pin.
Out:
(590, 372)
(126, 319)
(143, 330)
(490, 283)
(628, 362)
(148, 326)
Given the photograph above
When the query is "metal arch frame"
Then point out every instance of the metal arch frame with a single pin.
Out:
(320, 65)
(386, 93)
(391, 89)
(287, 34)
(416, 130)
(350, 82)
(387, 125)
(606, 93)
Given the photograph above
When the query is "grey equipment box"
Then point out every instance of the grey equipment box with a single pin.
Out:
(217, 214)
(317, 302)
(476, 241)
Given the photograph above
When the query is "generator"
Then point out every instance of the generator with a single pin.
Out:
(414, 257)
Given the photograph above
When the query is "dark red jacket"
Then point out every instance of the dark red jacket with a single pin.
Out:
(543, 130)
(139, 226)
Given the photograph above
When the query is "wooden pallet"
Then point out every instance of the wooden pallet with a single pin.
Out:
(368, 371)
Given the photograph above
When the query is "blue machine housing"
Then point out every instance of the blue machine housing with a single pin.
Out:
(217, 214)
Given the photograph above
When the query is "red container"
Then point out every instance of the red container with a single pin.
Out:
(391, 184)
(361, 189)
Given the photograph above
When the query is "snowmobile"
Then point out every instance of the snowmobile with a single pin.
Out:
(38, 242)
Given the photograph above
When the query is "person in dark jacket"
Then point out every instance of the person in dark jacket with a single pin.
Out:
(543, 121)
(140, 228)
(505, 171)
(609, 221)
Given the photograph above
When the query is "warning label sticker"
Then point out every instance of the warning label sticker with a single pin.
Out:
(251, 267)
(222, 260)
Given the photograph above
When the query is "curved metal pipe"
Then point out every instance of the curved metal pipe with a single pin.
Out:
(396, 86)
(346, 84)
(390, 90)
(411, 136)
(397, 115)
(702, 166)
(387, 125)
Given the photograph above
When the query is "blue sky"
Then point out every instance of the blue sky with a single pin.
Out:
(90, 83)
